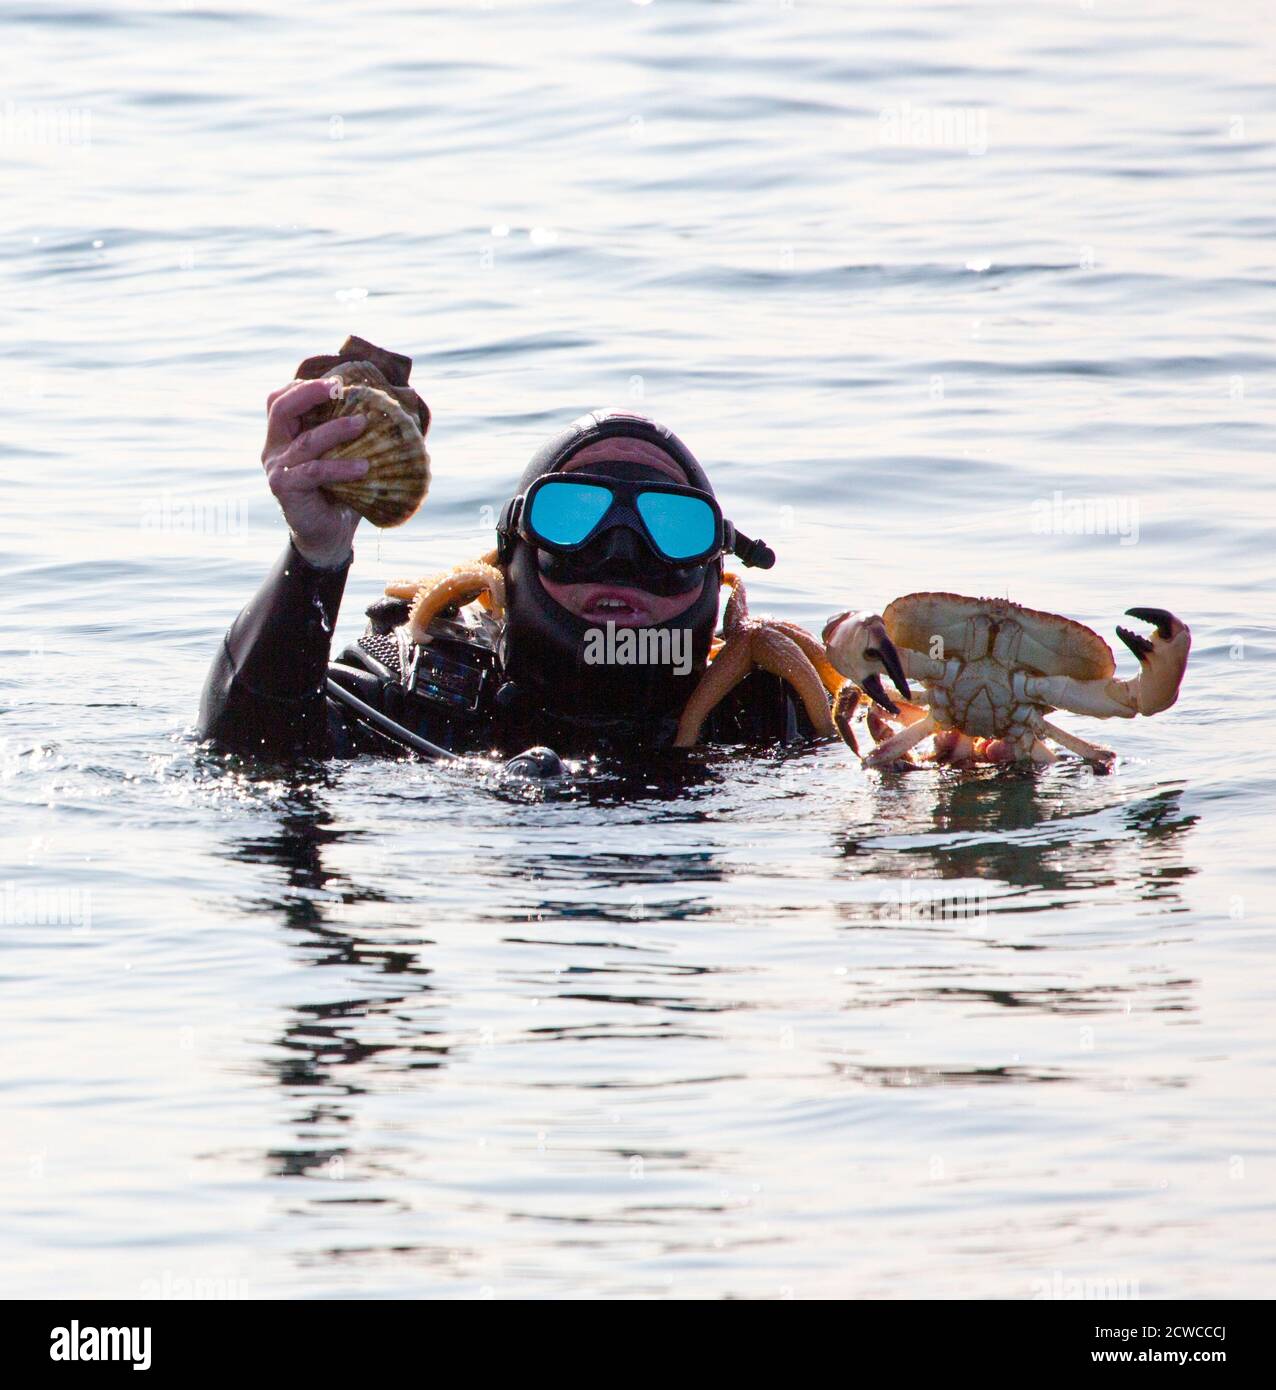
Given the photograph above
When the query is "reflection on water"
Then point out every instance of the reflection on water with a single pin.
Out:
(1004, 848)
(1008, 828)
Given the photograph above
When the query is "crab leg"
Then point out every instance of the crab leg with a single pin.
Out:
(1162, 660)
(845, 703)
(897, 746)
(880, 726)
(1043, 753)
(952, 746)
(1091, 752)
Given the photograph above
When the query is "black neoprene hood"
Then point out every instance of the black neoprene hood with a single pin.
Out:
(543, 645)
(611, 424)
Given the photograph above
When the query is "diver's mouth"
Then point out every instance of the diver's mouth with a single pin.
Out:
(623, 606)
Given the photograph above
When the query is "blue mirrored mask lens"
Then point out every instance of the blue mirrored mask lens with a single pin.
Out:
(680, 526)
(565, 513)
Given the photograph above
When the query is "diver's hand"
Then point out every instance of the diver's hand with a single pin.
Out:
(322, 529)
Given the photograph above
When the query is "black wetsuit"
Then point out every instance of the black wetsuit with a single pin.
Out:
(266, 693)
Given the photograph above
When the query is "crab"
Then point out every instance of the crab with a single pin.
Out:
(784, 649)
(991, 672)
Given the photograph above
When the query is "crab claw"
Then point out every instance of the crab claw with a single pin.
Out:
(1138, 644)
(873, 687)
(1162, 658)
(886, 653)
(1161, 618)
(858, 646)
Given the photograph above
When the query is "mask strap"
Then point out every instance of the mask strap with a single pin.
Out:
(506, 527)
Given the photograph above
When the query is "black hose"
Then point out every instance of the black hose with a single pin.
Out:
(387, 726)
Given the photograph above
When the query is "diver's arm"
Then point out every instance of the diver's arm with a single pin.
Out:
(265, 692)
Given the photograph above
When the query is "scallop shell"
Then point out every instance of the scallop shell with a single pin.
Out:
(389, 371)
(398, 475)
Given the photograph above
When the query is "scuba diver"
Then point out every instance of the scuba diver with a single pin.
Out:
(613, 528)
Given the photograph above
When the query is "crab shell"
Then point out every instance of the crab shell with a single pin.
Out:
(992, 639)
